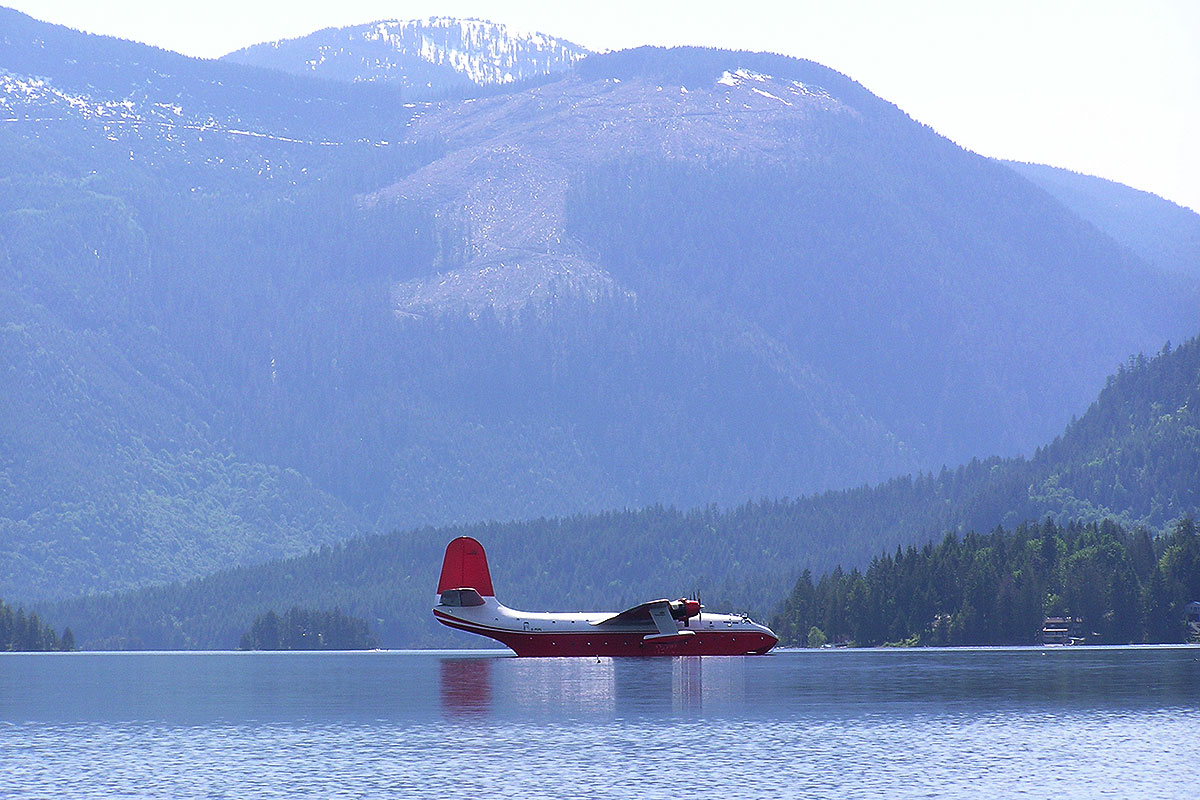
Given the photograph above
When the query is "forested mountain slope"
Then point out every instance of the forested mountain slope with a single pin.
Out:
(115, 467)
(251, 312)
(112, 471)
(1134, 456)
(424, 58)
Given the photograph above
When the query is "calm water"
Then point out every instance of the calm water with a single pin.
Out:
(1070, 722)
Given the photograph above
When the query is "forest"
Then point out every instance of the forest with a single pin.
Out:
(21, 632)
(306, 629)
(997, 588)
(1132, 458)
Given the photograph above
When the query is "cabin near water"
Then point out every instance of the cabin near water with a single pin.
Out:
(1069, 630)
(1062, 630)
(1191, 619)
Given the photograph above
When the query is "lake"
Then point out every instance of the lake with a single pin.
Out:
(988, 723)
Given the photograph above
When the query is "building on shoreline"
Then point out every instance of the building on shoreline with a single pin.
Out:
(1191, 621)
(1062, 630)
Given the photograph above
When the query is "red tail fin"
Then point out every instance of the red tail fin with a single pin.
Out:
(465, 567)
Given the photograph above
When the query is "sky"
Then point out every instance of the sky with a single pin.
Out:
(1103, 87)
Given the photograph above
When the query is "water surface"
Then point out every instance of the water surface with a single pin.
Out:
(994, 723)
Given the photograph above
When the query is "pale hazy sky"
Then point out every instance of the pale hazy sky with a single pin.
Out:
(1105, 87)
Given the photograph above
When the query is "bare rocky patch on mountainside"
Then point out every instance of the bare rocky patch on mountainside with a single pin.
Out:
(505, 284)
(510, 162)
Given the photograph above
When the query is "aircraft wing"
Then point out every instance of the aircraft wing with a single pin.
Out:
(661, 614)
(643, 614)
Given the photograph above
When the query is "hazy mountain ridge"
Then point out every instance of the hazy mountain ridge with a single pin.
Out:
(1159, 231)
(99, 99)
(422, 57)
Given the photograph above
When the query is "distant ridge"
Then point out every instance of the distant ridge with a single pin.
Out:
(425, 57)
(1161, 232)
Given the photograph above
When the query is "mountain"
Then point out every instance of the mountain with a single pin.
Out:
(1158, 231)
(253, 313)
(962, 308)
(1132, 458)
(424, 58)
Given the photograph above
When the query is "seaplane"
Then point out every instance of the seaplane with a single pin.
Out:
(466, 601)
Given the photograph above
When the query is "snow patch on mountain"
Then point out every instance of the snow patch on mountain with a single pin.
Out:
(21, 97)
(160, 131)
(432, 54)
(740, 76)
(744, 77)
(486, 53)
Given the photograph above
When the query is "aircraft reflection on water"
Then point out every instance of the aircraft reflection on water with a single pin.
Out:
(486, 684)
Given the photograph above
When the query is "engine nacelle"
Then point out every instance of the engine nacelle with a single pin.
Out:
(685, 609)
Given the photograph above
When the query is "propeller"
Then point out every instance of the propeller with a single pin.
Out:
(699, 607)
(684, 609)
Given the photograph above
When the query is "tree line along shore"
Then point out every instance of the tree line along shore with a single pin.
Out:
(1116, 585)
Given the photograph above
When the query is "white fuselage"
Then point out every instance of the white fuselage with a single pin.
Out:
(493, 613)
(581, 633)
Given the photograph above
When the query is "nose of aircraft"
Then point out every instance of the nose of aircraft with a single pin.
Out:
(768, 636)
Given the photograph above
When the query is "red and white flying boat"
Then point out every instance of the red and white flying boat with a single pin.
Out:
(658, 628)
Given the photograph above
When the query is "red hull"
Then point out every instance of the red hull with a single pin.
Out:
(700, 643)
